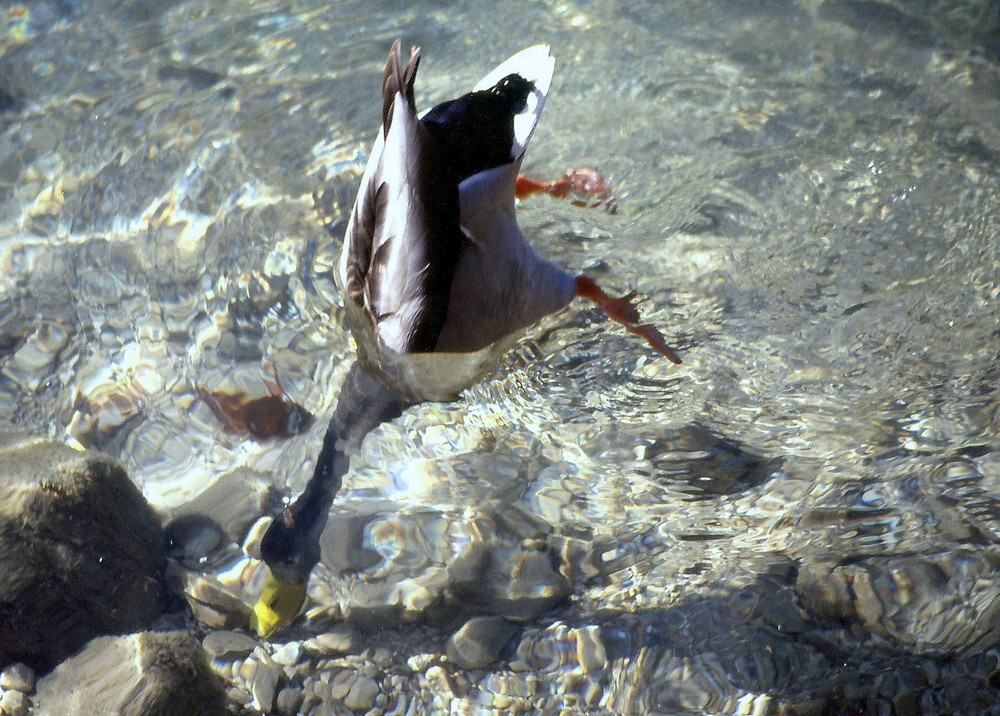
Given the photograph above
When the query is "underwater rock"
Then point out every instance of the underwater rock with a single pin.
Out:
(17, 683)
(342, 638)
(217, 602)
(146, 673)
(289, 700)
(225, 644)
(590, 652)
(519, 583)
(405, 566)
(361, 696)
(14, 703)
(880, 19)
(263, 677)
(930, 604)
(233, 501)
(81, 551)
(19, 677)
(479, 642)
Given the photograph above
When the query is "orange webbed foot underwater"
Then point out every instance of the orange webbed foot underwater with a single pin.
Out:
(583, 184)
(269, 416)
(624, 311)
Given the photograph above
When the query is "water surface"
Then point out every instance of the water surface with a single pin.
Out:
(806, 201)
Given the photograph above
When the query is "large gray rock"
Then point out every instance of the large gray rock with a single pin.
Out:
(145, 674)
(81, 552)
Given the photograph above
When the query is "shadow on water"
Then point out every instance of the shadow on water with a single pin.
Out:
(711, 464)
(707, 654)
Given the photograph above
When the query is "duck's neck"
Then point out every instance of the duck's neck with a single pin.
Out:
(291, 544)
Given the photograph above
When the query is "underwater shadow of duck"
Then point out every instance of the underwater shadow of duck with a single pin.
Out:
(753, 648)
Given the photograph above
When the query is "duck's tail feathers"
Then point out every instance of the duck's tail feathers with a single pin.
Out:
(398, 80)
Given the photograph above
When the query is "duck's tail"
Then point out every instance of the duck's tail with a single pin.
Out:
(398, 80)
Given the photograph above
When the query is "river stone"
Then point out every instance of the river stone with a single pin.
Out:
(928, 604)
(13, 703)
(590, 652)
(228, 645)
(193, 539)
(519, 583)
(342, 638)
(264, 685)
(81, 551)
(214, 603)
(287, 654)
(479, 642)
(289, 700)
(19, 677)
(362, 693)
(163, 673)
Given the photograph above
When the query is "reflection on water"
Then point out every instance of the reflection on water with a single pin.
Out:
(805, 201)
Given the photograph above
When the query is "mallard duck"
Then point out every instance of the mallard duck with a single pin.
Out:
(438, 279)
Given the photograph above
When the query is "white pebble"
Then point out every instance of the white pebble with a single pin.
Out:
(13, 703)
(19, 677)
(288, 654)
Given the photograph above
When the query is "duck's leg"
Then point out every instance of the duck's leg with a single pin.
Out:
(583, 181)
(291, 544)
(623, 311)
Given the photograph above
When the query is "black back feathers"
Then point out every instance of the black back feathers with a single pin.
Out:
(478, 128)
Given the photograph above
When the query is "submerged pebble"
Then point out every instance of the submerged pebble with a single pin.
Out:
(362, 692)
(14, 703)
(289, 700)
(264, 684)
(340, 639)
(227, 645)
(18, 677)
(479, 641)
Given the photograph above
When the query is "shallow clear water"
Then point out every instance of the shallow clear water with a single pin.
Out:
(806, 201)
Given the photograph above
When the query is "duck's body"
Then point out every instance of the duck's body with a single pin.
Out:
(438, 278)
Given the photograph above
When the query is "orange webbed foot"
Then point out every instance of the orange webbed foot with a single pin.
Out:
(584, 184)
(270, 416)
(229, 408)
(623, 311)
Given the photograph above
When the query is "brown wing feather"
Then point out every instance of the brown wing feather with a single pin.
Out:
(404, 237)
(365, 213)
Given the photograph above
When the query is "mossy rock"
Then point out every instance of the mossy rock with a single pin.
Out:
(81, 551)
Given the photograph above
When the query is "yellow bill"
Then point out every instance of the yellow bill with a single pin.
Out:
(277, 605)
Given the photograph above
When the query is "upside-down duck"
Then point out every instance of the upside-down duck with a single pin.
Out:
(438, 279)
